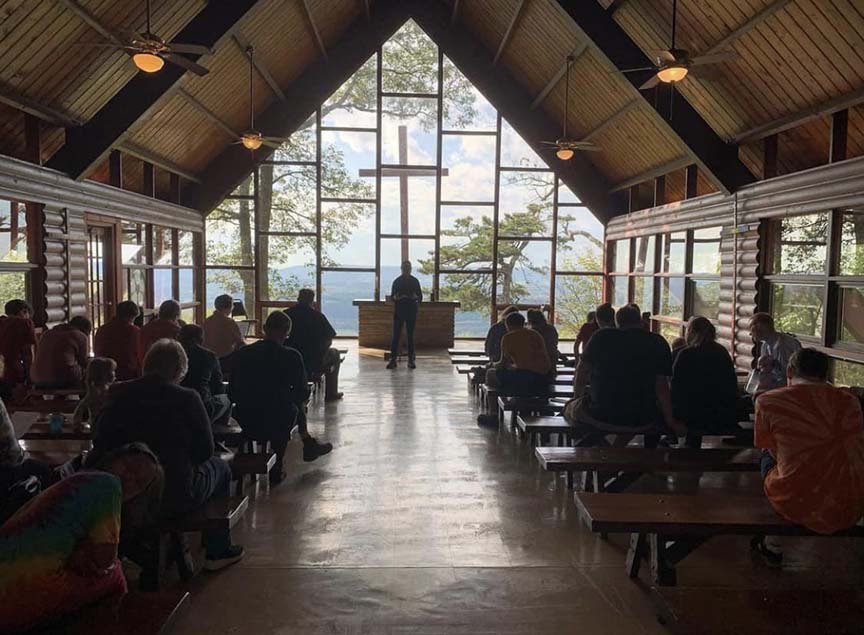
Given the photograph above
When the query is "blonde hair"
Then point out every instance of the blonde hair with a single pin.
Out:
(166, 359)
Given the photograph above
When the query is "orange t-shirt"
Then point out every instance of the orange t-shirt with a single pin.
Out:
(118, 340)
(816, 434)
(157, 330)
(17, 336)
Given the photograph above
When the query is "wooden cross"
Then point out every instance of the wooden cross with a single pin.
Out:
(403, 175)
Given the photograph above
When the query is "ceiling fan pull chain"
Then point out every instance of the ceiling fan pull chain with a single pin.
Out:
(148, 18)
(674, 21)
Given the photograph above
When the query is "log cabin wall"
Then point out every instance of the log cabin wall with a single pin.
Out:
(744, 217)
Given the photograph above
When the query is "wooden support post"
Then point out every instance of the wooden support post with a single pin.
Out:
(769, 157)
(115, 169)
(32, 139)
(149, 181)
(633, 198)
(691, 181)
(175, 190)
(660, 190)
(839, 136)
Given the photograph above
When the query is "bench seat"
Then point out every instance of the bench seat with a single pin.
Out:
(542, 427)
(133, 614)
(250, 464)
(648, 460)
(466, 352)
(216, 513)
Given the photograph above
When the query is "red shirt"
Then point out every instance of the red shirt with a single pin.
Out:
(157, 330)
(584, 336)
(17, 336)
(120, 341)
(60, 357)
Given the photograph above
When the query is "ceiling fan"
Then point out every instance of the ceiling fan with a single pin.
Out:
(252, 139)
(149, 52)
(566, 148)
(674, 64)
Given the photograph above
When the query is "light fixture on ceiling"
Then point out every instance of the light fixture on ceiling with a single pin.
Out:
(673, 72)
(565, 148)
(565, 154)
(148, 62)
(252, 140)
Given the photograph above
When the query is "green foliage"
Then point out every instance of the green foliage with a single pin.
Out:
(12, 286)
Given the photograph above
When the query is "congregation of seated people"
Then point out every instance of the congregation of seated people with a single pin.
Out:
(151, 397)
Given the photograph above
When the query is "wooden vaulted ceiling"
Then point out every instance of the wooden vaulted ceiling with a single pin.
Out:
(798, 55)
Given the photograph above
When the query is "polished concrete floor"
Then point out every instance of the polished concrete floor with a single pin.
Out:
(421, 522)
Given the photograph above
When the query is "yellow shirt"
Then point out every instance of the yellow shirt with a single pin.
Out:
(525, 349)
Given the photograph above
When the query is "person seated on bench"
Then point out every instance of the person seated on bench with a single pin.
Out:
(118, 339)
(62, 355)
(496, 332)
(269, 387)
(704, 385)
(678, 345)
(774, 353)
(204, 374)
(15, 465)
(813, 447)
(58, 553)
(524, 367)
(166, 326)
(621, 385)
(172, 421)
(584, 335)
(221, 332)
(101, 373)
(312, 335)
(17, 339)
(537, 322)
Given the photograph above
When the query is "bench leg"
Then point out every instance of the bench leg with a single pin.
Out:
(588, 481)
(569, 477)
(180, 554)
(662, 570)
(638, 544)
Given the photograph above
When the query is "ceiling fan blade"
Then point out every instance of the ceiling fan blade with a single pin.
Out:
(585, 146)
(189, 65)
(549, 143)
(271, 143)
(665, 56)
(277, 139)
(636, 70)
(105, 45)
(192, 49)
(651, 83)
(715, 58)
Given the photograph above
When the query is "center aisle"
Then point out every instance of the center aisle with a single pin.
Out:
(420, 522)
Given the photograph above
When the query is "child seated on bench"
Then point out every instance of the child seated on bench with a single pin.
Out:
(98, 379)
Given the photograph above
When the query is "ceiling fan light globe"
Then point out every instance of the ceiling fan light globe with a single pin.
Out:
(672, 73)
(148, 62)
(565, 154)
(251, 141)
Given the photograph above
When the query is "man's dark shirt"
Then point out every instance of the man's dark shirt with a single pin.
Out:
(705, 388)
(204, 375)
(493, 340)
(311, 334)
(624, 366)
(406, 286)
(268, 380)
(170, 419)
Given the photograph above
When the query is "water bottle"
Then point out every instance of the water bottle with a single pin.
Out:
(56, 421)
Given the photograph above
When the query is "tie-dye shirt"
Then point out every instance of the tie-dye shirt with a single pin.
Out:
(816, 435)
(36, 584)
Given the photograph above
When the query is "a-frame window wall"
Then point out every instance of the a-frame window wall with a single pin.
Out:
(407, 160)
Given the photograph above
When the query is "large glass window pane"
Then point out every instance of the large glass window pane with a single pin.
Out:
(525, 204)
(580, 240)
(246, 187)
(355, 104)
(672, 297)
(348, 164)
(575, 296)
(185, 248)
(290, 265)
(409, 62)
(473, 292)
(706, 250)
(673, 250)
(852, 245)
(645, 254)
(847, 374)
(287, 198)
(13, 284)
(163, 241)
(670, 331)
(135, 286)
(465, 108)
(13, 232)
(132, 247)
(187, 285)
(409, 131)
(300, 146)
(339, 289)
(350, 237)
(620, 293)
(523, 271)
(228, 229)
(800, 244)
(621, 256)
(515, 151)
(643, 292)
(466, 237)
(470, 165)
(421, 253)
(852, 315)
(566, 195)
(798, 308)
(238, 283)
(419, 218)
(706, 298)
(163, 285)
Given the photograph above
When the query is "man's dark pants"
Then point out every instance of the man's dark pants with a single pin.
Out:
(212, 478)
(404, 313)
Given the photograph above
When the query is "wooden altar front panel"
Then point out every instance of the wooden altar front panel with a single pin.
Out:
(435, 324)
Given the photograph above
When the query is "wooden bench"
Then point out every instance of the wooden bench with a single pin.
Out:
(636, 461)
(466, 352)
(131, 614)
(540, 405)
(54, 453)
(713, 611)
(41, 430)
(667, 528)
(538, 429)
(252, 465)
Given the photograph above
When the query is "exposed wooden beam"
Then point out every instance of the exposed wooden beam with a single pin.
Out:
(91, 20)
(769, 157)
(510, 28)
(88, 145)
(604, 125)
(616, 5)
(243, 45)
(660, 190)
(169, 166)
(320, 79)
(719, 159)
(795, 119)
(691, 181)
(653, 173)
(33, 107)
(748, 25)
(148, 180)
(367, 10)
(32, 139)
(839, 136)
(314, 28)
(204, 110)
(559, 74)
(455, 15)
(513, 102)
(115, 169)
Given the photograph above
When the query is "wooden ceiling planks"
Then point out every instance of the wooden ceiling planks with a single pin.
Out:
(800, 148)
(332, 17)
(488, 20)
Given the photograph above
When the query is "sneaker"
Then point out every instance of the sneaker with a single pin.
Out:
(234, 554)
(312, 449)
(391, 365)
(335, 397)
(411, 364)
